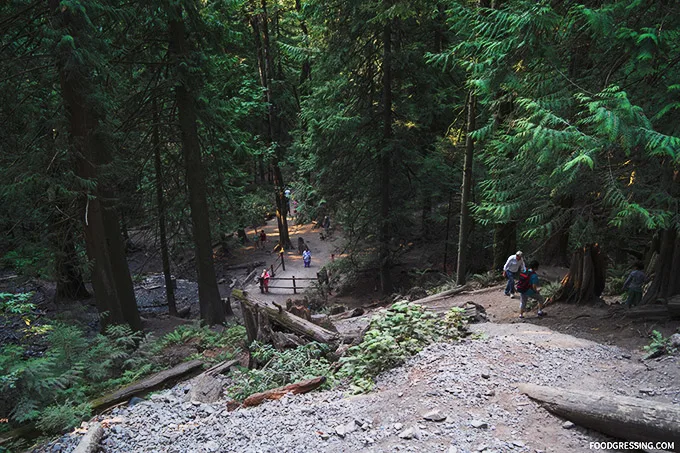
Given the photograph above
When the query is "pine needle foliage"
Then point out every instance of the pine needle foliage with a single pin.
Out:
(586, 139)
(51, 389)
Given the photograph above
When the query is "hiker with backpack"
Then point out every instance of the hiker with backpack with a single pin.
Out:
(513, 265)
(527, 288)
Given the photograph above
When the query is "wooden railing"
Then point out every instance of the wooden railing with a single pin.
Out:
(295, 280)
(281, 264)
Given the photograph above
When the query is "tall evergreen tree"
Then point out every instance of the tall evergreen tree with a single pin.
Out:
(212, 310)
(75, 55)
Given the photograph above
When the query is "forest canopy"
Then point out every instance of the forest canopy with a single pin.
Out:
(473, 125)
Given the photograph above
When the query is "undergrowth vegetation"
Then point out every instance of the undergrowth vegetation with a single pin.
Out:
(616, 277)
(658, 346)
(281, 368)
(396, 334)
(53, 388)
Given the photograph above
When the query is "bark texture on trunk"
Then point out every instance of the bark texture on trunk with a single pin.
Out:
(504, 243)
(281, 209)
(148, 384)
(466, 190)
(70, 284)
(622, 417)
(274, 127)
(385, 165)
(258, 313)
(586, 278)
(111, 279)
(665, 283)
(212, 309)
(278, 393)
(160, 202)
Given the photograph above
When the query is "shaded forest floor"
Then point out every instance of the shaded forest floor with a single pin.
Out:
(599, 322)
(567, 328)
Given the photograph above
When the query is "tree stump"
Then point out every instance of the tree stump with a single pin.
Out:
(586, 278)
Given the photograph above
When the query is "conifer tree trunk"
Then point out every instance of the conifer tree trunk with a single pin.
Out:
(666, 276)
(281, 209)
(666, 280)
(68, 275)
(70, 284)
(466, 190)
(504, 243)
(211, 307)
(160, 201)
(586, 278)
(265, 58)
(385, 164)
(111, 279)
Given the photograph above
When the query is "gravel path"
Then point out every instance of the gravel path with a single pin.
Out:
(471, 386)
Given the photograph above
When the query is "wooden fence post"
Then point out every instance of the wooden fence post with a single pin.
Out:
(272, 268)
(294, 287)
(283, 264)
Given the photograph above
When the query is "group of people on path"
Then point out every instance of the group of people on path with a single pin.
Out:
(527, 282)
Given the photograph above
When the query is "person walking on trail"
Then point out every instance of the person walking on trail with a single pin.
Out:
(514, 264)
(263, 239)
(264, 279)
(634, 283)
(307, 258)
(527, 286)
(326, 224)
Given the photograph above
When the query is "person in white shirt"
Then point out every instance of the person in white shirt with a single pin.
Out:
(513, 265)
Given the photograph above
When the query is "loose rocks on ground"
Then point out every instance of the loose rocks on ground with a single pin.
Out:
(465, 412)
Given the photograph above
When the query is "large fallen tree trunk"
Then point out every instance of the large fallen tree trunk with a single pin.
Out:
(278, 393)
(622, 417)
(257, 313)
(148, 384)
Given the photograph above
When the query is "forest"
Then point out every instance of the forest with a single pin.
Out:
(458, 131)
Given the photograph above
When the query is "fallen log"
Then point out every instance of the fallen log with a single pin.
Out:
(622, 417)
(26, 432)
(153, 382)
(347, 314)
(277, 393)
(219, 368)
(281, 317)
(653, 312)
(442, 295)
(90, 441)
